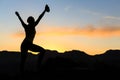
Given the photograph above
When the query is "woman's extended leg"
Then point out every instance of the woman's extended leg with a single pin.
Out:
(24, 53)
(23, 60)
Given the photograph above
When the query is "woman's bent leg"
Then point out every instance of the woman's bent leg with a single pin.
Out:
(37, 48)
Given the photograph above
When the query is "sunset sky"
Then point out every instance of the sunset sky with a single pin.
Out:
(92, 26)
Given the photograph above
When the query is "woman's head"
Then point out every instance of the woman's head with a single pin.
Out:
(30, 20)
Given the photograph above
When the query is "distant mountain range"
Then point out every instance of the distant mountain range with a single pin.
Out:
(75, 60)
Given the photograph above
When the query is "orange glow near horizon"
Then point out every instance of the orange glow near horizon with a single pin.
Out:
(68, 38)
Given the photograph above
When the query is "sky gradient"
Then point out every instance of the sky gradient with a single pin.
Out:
(92, 26)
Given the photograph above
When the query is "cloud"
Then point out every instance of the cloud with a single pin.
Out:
(18, 34)
(88, 30)
(91, 12)
(112, 17)
(67, 8)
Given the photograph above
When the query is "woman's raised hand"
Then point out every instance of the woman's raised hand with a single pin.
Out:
(47, 9)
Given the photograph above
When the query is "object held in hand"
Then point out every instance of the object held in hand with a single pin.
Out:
(16, 13)
(47, 8)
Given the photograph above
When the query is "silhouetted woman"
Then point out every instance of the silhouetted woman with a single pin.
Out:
(30, 32)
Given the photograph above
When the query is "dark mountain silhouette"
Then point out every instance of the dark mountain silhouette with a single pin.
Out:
(57, 64)
(110, 60)
(69, 59)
